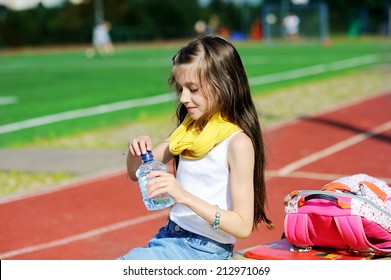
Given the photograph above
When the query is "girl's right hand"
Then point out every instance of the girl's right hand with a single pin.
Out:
(140, 145)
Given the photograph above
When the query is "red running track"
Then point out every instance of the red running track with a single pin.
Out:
(102, 218)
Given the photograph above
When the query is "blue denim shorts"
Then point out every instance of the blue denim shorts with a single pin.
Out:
(175, 243)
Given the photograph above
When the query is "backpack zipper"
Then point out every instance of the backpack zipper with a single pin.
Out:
(346, 195)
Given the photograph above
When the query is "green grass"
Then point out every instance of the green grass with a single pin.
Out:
(54, 82)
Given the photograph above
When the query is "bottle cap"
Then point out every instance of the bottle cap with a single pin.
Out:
(147, 157)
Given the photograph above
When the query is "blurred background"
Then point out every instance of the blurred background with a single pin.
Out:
(57, 22)
(69, 103)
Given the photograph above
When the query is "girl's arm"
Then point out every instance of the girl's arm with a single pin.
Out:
(237, 221)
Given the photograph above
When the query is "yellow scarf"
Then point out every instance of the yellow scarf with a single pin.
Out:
(192, 144)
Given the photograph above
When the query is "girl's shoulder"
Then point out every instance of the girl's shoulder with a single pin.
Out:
(240, 142)
(240, 153)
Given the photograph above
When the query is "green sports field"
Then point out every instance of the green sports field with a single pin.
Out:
(47, 94)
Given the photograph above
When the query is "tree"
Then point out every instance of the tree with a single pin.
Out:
(167, 19)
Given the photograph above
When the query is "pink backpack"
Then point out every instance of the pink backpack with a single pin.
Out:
(352, 213)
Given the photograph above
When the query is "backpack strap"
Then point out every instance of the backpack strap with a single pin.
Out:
(378, 191)
(339, 186)
(336, 186)
(352, 232)
(296, 229)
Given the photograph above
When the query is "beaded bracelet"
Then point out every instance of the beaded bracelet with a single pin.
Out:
(216, 222)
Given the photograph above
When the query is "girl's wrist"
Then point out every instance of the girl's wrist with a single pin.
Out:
(216, 223)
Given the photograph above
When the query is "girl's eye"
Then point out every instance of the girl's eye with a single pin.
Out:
(193, 90)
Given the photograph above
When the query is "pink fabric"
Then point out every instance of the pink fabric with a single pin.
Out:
(322, 223)
(352, 212)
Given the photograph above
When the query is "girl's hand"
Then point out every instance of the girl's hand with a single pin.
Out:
(161, 182)
(140, 145)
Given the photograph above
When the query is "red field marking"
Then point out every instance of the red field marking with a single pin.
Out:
(105, 217)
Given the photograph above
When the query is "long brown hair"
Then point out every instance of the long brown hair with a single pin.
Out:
(223, 78)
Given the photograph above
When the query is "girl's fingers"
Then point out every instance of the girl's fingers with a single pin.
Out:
(140, 145)
(158, 184)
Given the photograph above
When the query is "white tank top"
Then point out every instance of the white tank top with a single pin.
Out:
(209, 179)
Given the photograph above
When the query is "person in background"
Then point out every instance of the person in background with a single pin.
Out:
(101, 40)
(291, 26)
(219, 183)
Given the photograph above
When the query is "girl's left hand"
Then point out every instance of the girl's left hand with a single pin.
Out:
(161, 182)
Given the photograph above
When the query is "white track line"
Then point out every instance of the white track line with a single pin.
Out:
(7, 100)
(84, 235)
(127, 104)
(87, 112)
(317, 176)
(333, 149)
(316, 69)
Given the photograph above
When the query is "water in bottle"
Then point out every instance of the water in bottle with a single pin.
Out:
(149, 164)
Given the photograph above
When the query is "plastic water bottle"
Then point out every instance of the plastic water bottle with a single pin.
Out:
(150, 164)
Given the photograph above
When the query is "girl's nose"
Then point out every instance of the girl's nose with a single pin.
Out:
(185, 96)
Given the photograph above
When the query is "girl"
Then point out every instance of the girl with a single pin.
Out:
(219, 187)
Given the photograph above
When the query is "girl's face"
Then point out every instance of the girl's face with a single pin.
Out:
(190, 92)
